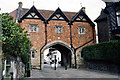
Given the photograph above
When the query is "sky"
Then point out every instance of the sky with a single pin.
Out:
(93, 7)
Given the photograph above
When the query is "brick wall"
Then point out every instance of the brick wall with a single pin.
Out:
(52, 35)
(38, 38)
(79, 39)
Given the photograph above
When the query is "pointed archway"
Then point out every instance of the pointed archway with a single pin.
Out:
(64, 49)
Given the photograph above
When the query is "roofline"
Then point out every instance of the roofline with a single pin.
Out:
(62, 14)
(41, 16)
(84, 14)
(100, 19)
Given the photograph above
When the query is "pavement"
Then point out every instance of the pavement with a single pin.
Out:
(49, 72)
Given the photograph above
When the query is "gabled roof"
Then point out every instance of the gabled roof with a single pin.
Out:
(58, 15)
(32, 13)
(102, 16)
(49, 14)
(13, 13)
(82, 17)
(45, 13)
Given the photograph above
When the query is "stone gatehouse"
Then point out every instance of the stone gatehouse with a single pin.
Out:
(67, 32)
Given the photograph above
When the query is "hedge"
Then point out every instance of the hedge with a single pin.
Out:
(106, 51)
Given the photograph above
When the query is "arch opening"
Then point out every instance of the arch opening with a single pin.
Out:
(62, 52)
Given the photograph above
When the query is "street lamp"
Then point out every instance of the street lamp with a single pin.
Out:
(28, 64)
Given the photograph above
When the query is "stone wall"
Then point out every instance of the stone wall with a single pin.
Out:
(102, 66)
(20, 67)
(14, 66)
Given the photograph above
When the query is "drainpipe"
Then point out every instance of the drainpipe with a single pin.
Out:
(75, 58)
(45, 31)
(45, 22)
(70, 23)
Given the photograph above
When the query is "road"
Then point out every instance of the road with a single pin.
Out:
(70, 73)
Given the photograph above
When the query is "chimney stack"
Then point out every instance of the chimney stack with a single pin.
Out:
(83, 8)
(19, 11)
(20, 5)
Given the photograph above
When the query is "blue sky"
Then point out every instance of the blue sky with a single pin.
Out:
(93, 7)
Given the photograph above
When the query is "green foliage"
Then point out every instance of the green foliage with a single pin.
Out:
(24, 58)
(14, 39)
(25, 75)
(106, 51)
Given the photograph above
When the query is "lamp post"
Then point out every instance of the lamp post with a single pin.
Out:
(28, 64)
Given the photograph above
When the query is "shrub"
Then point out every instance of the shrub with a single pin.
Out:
(106, 51)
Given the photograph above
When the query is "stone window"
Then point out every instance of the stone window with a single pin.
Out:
(59, 29)
(33, 51)
(32, 54)
(118, 17)
(81, 30)
(33, 27)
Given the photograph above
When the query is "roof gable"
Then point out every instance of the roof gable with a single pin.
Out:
(82, 17)
(32, 13)
(101, 17)
(58, 15)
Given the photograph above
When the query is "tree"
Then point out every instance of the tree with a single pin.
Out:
(0, 50)
(14, 39)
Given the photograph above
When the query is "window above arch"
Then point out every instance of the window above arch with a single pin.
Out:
(33, 27)
(58, 29)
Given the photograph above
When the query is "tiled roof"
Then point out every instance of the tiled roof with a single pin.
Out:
(14, 13)
(45, 13)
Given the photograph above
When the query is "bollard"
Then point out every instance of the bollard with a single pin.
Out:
(28, 73)
(55, 62)
(11, 75)
(28, 70)
(65, 66)
(2, 77)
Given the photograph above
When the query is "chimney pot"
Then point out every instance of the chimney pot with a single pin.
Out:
(20, 4)
(83, 8)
